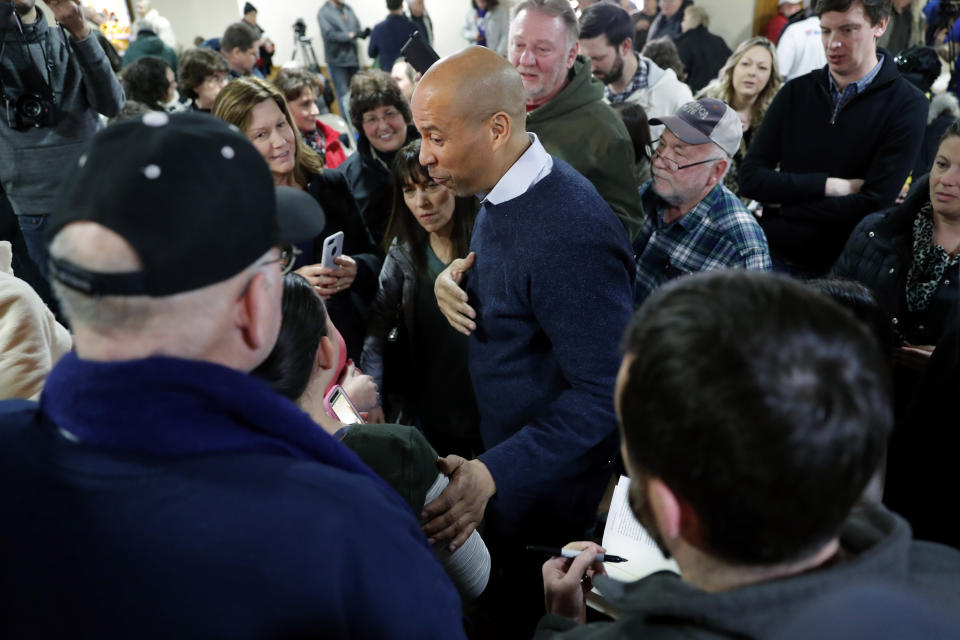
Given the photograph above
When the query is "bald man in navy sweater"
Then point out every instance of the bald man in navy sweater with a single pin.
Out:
(547, 293)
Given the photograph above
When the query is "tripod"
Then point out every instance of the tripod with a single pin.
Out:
(303, 48)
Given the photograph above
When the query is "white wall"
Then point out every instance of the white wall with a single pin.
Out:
(208, 18)
(732, 20)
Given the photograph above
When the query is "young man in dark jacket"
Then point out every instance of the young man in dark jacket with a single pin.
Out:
(836, 144)
(747, 457)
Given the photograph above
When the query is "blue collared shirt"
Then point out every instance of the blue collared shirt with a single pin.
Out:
(854, 88)
(533, 166)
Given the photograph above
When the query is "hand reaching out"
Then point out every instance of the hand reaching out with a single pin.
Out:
(459, 509)
(451, 299)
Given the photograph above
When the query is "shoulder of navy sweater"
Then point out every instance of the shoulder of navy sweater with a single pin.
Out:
(562, 202)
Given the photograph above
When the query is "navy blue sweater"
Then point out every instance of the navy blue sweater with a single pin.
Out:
(552, 287)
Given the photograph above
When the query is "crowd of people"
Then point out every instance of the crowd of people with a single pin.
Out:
(290, 351)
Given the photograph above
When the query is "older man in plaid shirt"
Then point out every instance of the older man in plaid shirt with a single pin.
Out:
(692, 222)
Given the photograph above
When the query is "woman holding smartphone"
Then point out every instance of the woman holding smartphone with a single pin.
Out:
(408, 338)
(260, 111)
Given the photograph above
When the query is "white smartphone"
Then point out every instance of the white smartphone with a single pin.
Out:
(339, 405)
(332, 249)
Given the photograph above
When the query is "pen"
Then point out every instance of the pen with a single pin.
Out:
(573, 553)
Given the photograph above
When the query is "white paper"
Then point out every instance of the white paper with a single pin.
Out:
(624, 536)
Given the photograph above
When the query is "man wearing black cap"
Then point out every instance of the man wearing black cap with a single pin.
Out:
(692, 222)
(157, 490)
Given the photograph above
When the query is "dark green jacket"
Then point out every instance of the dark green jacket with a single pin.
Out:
(149, 44)
(579, 127)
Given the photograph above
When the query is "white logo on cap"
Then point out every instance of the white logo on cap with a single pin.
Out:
(151, 171)
(696, 110)
(156, 119)
(82, 161)
(228, 152)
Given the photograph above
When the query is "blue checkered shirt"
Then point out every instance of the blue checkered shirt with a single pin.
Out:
(639, 81)
(851, 90)
(718, 233)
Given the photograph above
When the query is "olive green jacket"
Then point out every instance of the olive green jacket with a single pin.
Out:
(577, 126)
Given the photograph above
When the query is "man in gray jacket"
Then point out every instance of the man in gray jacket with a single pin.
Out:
(340, 29)
(54, 83)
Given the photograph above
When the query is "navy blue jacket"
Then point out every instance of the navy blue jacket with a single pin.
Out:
(213, 514)
(388, 37)
(552, 287)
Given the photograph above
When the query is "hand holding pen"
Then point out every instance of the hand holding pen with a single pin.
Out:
(567, 581)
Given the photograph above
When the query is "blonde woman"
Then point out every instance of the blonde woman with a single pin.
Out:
(747, 82)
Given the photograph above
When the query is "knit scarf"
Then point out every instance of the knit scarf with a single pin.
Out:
(165, 406)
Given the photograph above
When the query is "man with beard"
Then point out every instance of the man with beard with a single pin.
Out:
(565, 104)
(692, 222)
(748, 450)
(606, 37)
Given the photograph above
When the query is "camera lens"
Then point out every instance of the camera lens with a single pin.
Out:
(31, 109)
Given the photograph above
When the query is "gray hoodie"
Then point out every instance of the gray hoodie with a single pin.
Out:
(33, 162)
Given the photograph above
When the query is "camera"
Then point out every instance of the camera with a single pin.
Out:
(300, 28)
(29, 110)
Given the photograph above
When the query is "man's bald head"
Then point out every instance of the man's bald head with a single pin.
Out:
(477, 83)
(470, 110)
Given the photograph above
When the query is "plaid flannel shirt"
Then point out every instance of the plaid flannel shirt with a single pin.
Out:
(639, 81)
(718, 233)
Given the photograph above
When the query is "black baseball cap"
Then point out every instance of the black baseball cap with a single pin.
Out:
(191, 195)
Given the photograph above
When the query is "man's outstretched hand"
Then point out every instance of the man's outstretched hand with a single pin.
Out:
(452, 299)
(459, 509)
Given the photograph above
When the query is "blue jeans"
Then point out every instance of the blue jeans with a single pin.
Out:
(341, 77)
(32, 226)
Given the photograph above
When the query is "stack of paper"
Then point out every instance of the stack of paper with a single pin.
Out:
(624, 536)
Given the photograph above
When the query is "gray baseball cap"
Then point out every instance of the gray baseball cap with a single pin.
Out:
(703, 121)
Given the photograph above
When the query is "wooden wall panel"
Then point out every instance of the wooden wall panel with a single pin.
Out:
(763, 10)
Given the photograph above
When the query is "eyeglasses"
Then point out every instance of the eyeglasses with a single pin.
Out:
(217, 78)
(288, 256)
(389, 114)
(653, 152)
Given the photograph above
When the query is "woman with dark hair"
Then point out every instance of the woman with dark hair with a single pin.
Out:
(151, 81)
(910, 257)
(635, 119)
(301, 368)
(413, 354)
(382, 118)
(259, 110)
(203, 74)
